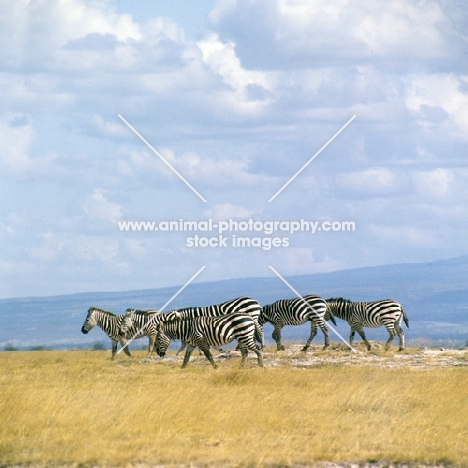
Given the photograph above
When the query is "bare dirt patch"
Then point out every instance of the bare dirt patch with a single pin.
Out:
(340, 355)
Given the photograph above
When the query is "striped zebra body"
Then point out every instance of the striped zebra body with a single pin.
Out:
(110, 324)
(386, 312)
(209, 331)
(141, 322)
(296, 312)
(244, 305)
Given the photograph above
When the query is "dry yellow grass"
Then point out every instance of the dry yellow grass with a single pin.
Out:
(79, 407)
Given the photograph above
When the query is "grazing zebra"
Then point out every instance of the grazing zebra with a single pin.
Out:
(110, 324)
(372, 315)
(209, 331)
(243, 304)
(296, 312)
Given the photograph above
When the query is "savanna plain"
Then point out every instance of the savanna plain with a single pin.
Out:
(321, 408)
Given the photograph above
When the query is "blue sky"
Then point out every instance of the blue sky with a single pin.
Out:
(237, 97)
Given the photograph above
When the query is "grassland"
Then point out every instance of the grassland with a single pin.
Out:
(79, 408)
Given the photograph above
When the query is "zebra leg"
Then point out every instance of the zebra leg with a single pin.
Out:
(277, 337)
(259, 354)
(114, 348)
(244, 353)
(152, 339)
(360, 330)
(205, 347)
(313, 332)
(401, 336)
(124, 344)
(351, 336)
(391, 332)
(245, 346)
(188, 352)
(324, 329)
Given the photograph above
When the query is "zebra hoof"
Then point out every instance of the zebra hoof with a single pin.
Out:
(401, 349)
(280, 348)
(305, 348)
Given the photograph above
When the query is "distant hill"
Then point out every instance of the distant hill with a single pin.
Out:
(434, 295)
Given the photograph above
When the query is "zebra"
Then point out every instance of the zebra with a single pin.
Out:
(386, 312)
(135, 319)
(243, 304)
(136, 322)
(110, 323)
(209, 331)
(297, 311)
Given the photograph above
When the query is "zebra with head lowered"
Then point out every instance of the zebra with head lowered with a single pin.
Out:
(208, 331)
(110, 323)
(386, 312)
(296, 312)
(137, 322)
(245, 305)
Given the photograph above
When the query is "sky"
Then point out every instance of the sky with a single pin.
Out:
(172, 111)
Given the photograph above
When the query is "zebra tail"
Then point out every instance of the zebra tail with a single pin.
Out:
(405, 318)
(259, 335)
(329, 315)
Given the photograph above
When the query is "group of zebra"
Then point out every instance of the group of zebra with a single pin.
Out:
(242, 319)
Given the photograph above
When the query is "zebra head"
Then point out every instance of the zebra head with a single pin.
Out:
(90, 321)
(265, 314)
(127, 322)
(162, 340)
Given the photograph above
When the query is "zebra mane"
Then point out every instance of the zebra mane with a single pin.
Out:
(338, 299)
(107, 312)
(131, 310)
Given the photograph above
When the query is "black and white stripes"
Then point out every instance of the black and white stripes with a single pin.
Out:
(295, 312)
(205, 332)
(387, 312)
(111, 325)
(243, 305)
(241, 319)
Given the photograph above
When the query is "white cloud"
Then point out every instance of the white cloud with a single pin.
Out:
(16, 138)
(217, 173)
(222, 58)
(226, 211)
(303, 260)
(236, 112)
(98, 208)
(439, 96)
(291, 29)
(376, 181)
(435, 183)
(33, 32)
(404, 235)
(90, 248)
